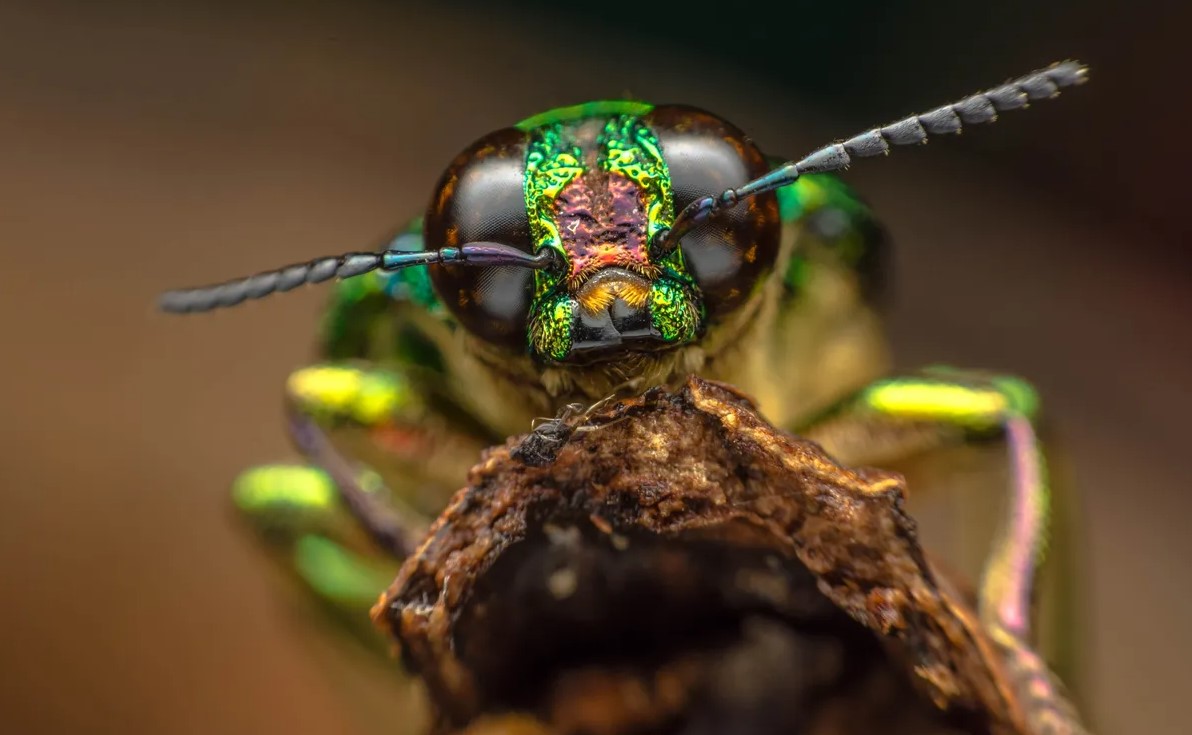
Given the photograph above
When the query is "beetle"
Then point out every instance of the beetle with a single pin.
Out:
(601, 250)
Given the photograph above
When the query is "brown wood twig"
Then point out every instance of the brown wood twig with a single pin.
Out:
(690, 569)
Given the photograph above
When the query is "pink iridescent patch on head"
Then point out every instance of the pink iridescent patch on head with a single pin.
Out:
(602, 225)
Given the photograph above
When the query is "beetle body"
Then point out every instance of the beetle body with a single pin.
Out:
(598, 251)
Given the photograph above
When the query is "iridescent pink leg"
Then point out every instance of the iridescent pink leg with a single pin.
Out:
(898, 417)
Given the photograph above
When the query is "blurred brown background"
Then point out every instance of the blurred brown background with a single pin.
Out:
(145, 148)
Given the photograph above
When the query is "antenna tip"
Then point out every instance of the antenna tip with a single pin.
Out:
(1068, 73)
(175, 302)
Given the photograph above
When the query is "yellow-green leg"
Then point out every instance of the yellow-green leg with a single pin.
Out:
(897, 417)
(334, 524)
(346, 418)
(296, 512)
(323, 397)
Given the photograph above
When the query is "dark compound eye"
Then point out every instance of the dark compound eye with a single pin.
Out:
(706, 155)
(480, 198)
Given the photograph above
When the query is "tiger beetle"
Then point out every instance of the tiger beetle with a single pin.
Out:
(604, 249)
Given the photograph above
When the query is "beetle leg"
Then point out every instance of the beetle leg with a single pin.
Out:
(341, 415)
(392, 530)
(333, 524)
(296, 511)
(898, 417)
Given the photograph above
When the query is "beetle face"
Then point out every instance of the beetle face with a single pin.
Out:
(595, 184)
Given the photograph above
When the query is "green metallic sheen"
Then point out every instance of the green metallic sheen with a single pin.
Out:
(353, 308)
(1022, 397)
(411, 284)
(598, 108)
(627, 147)
(814, 194)
(552, 162)
(550, 331)
(362, 304)
(339, 575)
(291, 500)
(294, 493)
(927, 399)
(334, 392)
(954, 397)
(672, 311)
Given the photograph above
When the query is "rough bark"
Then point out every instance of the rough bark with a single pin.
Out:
(673, 563)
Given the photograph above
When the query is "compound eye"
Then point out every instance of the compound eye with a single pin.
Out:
(729, 256)
(480, 198)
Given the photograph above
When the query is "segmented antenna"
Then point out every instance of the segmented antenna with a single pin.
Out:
(982, 107)
(230, 293)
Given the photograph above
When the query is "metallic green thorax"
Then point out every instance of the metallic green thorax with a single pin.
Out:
(625, 149)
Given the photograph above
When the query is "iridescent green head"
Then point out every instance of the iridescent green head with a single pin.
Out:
(589, 232)
(594, 185)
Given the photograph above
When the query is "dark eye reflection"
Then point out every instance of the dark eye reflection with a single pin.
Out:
(714, 258)
(479, 199)
(731, 252)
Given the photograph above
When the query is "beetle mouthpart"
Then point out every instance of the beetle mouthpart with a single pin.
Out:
(613, 312)
(619, 325)
(611, 284)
